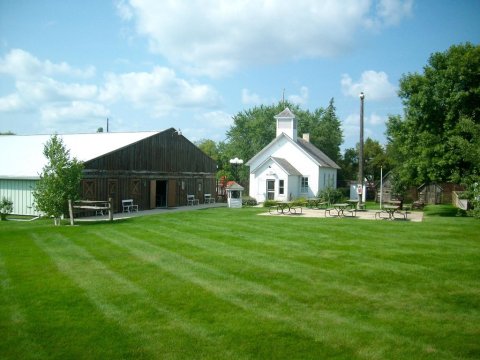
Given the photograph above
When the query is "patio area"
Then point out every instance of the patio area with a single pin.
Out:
(415, 216)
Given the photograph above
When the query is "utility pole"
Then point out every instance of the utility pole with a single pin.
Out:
(360, 156)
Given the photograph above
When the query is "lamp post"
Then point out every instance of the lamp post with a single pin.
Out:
(360, 155)
(236, 162)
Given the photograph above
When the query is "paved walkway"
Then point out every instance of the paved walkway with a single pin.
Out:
(117, 216)
(416, 216)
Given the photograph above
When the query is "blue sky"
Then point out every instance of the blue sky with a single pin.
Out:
(65, 66)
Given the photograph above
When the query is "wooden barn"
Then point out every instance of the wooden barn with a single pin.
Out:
(155, 169)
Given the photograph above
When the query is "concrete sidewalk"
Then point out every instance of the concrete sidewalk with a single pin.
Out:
(118, 216)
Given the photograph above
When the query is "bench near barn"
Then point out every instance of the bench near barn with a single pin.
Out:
(129, 206)
(98, 206)
(191, 200)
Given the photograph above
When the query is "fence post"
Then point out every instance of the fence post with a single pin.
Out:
(110, 209)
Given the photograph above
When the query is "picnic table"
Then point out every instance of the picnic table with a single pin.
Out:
(389, 210)
(285, 208)
(315, 203)
(340, 208)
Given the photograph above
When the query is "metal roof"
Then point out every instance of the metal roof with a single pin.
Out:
(316, 153)
(22, 155)
(286, 166)
(285, 114)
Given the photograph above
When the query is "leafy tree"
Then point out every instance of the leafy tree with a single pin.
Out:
(209, 147)
(375, 158)
(325, 131)
(438, 139)
(348, 165)
(59, 180)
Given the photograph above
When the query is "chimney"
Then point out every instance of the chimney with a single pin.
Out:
(306, 137)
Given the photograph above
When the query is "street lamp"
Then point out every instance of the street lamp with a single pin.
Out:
(236, 162)
(360, 155)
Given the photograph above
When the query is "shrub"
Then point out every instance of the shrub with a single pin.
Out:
(268, 203)
(473, 195)
(6, 207)
(249, 201)
(330, 195)
(299, 202)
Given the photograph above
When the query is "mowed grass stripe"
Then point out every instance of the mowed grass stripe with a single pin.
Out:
(342, 289)
(123, 301)
(393, 294)
(57, 320)
(307, 278)
(281, 307)
(310, 275)
(15, 337)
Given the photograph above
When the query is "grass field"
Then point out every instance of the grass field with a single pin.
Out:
(228, 284)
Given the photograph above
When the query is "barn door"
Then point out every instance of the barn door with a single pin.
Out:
(153, 194)
(172, 193)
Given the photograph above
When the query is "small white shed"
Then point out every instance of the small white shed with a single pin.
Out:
(234, 194)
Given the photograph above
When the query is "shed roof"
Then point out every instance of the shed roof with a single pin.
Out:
(22, 155)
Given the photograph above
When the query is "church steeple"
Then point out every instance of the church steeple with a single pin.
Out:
(287, 123)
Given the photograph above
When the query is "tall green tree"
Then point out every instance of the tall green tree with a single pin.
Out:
(375, 157)
(209, 147)
(438, 139)
(59, 180)
(348, 166)
(325, 131)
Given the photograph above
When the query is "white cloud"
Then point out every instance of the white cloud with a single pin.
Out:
(40, 86)
(249, 98)
(300, 99)
(218, 37)
(21, 64)
(215, 119)
(391, 12)
(160, 89)
(374, 127)
(76, 110)
(11, 102)
(375, 119)
(373, 84)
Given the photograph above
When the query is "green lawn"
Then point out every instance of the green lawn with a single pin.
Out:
(228, 284)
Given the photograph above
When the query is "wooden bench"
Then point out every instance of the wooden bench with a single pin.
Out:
(128, 206)
(90, 205)
(208, 199)
(191, 200)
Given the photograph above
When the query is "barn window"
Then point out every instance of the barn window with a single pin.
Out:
(135, 187)
(89, 189)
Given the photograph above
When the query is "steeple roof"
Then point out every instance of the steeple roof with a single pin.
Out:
(285, 114)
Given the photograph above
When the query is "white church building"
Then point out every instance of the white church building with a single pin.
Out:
(290, 167)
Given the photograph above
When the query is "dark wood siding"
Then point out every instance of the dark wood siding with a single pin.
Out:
(127, 172)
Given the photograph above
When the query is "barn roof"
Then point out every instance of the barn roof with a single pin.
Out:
(22, 155)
